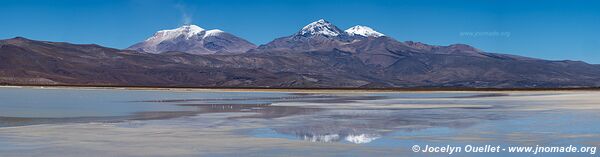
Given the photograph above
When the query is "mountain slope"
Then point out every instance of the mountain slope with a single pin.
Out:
(194, 40)
(27, 61)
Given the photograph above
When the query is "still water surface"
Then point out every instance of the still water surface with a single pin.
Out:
(224, 123)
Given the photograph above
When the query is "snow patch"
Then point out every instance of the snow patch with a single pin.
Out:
(213, 32)
(363, 31)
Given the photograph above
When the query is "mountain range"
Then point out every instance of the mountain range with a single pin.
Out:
(319, 55)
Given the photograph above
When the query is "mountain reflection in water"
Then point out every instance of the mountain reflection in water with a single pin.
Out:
(358, 118)
(347, 124)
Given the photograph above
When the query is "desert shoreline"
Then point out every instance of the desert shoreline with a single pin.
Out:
(300, 90)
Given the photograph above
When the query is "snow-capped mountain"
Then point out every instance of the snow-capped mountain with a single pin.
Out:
(320, 34)
(365, 31)
(320, 28)
(194, 40)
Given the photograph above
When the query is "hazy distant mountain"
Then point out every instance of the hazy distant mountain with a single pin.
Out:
(320, 55)
(194, 40)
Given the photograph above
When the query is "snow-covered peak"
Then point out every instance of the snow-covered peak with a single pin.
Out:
(320, 27)
(194, 40)
(363, 31)
(190, 28)
(186, 30)
(213, 32)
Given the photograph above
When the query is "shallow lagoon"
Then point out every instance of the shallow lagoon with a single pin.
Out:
(110, 122)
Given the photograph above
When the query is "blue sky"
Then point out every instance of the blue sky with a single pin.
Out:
(549, 29)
